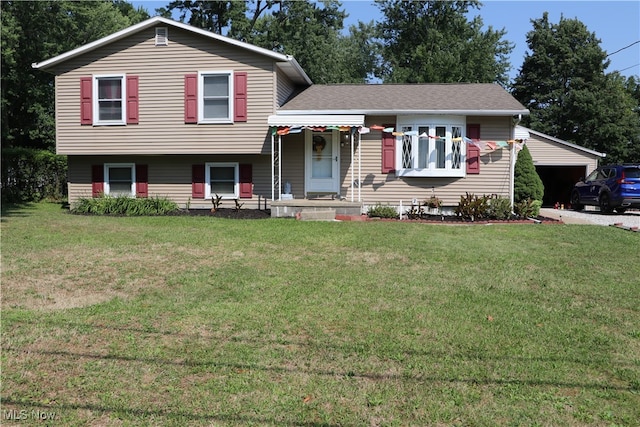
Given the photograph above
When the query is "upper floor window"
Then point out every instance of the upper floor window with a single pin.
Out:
(215, 97)
(110, 93)
(109, 100)
(431, 149)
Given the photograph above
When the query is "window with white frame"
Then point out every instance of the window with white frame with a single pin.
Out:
(222, 179)
(428, 148)
(215, 100)
(120, 179)
(109, 95)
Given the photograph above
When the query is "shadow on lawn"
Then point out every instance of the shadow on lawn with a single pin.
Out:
(320, 372)
(171, 414)
(23, 210)
(436, 355)
(19, 210)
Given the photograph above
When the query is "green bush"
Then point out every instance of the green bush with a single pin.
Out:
(499, 208)
(527, 183)
(472, 207)
(528, 208)
(30, 175)
(123, 205)
(381, 211)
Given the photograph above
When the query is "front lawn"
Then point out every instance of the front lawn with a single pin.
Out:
(208, 321)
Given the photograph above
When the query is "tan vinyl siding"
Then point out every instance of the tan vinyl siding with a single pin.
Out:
(545, 152)
(170, 176)
(161, 70)
(388, 188)
(293, 163)
(285, 88)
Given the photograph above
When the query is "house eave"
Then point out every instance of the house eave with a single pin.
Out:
(296, 70)
(565, 143)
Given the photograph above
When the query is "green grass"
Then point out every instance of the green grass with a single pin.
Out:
(206, 321)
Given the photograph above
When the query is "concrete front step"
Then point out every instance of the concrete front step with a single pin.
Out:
(293, 208)
(307, 214)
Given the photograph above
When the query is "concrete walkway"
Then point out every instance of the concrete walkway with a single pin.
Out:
(593, 217)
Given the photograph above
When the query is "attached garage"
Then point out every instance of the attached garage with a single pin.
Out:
(559, 164)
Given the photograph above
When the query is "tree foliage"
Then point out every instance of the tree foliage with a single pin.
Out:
(433, 42)
(214, 16)
(36, 31)
(564, 85)
(527, 182)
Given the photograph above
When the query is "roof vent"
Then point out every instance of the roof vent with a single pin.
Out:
(162, 36)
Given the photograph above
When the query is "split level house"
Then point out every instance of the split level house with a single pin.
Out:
(169, 110)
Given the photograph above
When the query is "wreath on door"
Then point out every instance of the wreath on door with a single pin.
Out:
(319, 143)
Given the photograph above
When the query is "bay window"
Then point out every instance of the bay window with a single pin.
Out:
(431, 149)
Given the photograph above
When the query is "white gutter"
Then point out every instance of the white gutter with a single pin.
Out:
(404, 112)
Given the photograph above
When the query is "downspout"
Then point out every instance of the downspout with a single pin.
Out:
(512, 165)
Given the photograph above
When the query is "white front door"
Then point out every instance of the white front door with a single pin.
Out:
(322, 162)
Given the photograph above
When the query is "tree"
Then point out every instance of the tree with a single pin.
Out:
(308, 31)
(214, 16)
(527, 183)
(433, 42)
(36, 31)
(563, 83)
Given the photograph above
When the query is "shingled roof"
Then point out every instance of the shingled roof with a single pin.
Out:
(455, 98)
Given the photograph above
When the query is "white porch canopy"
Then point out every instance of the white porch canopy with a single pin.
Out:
(352, 121)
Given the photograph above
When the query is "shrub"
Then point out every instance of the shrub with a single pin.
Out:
(527, 183)
(30, 175)
(527, 208)
(382, 211)
(499, 208)
(472, 207)
(123, 205)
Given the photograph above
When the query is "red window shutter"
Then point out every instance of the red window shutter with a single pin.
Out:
(132, 100)
(191, 98)
(473, 159)
(388, 152)
(197, 181)
(473, 152)
(86, 100)
(97, 180)
(142, 181)
(473, 131)
(246, 181)
(240, 97)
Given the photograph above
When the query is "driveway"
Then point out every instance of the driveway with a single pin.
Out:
(628, 219)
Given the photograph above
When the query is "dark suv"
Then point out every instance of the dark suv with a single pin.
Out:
(610, 187)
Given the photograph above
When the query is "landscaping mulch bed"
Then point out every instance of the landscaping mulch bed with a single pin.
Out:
(227, 213)
(433, 219)
(452, 220)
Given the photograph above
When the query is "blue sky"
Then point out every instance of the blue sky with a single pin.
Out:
(615, 23)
